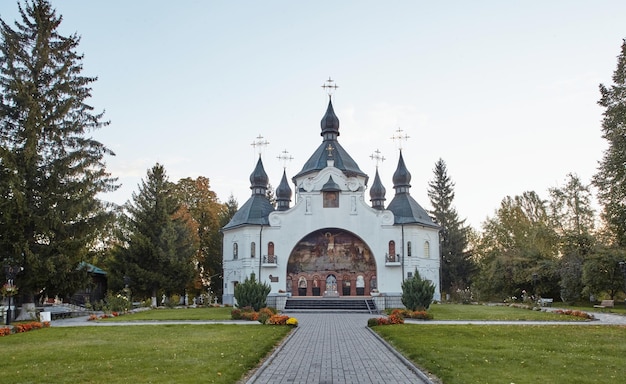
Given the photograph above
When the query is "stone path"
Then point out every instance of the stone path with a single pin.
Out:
(335, 348)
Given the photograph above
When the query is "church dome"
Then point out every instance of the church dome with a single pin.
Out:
(401, 177)
(283, 193)
(330, 123)
(377, 193)
(258, 177)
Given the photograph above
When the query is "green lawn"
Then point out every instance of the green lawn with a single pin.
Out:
(210, 313)
(137, 354)
(462, 354)
(490, 312)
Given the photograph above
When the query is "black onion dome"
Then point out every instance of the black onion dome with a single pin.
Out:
(283, 194)
(258, 178)
(377, 192)
(401, 177)
(330, 123)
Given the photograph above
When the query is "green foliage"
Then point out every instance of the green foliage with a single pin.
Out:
(116, 303)
(602, 274)
(251, 293)
(205, 209)
(159, 239)
(457, 266)
(417, 294)
(51, 170)
(516, 244)
(611, 177)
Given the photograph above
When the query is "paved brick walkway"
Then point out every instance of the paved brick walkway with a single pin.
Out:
(335, 348)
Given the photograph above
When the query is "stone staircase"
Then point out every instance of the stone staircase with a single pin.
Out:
(358, 305)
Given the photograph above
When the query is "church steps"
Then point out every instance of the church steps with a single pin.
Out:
(362, 305)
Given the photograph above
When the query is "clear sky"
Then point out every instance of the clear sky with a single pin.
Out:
(505, 92)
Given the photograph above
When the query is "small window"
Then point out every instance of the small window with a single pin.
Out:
(235, 251)
(426, 249)
(391, 256)
(408, 249)
(252, 249)
(331, 199)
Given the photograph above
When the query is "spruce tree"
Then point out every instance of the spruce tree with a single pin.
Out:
(456, 264)
(52, 171)
(611, 177)
(160, 239)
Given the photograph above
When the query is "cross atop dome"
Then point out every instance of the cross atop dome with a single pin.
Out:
(378, 157)
(259, 143)
(399, 137)
(330, 86)
(285, 157)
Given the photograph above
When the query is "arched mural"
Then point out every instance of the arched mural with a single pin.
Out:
(336, 252)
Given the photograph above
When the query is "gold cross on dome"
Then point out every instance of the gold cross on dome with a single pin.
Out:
(398, 137)
(330, 150)
(329, 86)
(378, 157)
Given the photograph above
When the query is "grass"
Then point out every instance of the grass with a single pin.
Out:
(210, 313)
(462, 354)
(138, 354)
(489, 312)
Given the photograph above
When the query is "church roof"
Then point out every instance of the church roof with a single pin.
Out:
(330, 149)
(404, 207)
(255, 211)
(377, 193)
(407, 211)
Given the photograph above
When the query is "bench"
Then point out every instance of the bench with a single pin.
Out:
(545, 302)
(605, 304)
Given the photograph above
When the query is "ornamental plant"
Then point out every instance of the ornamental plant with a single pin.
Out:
(417, 293)
(251, 293)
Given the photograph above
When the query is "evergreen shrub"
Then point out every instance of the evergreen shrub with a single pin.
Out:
(417, 294)
(251, 293)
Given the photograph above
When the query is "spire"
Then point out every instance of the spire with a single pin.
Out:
(259, 179)
(377, 193)
(401, 177)
(330, 123)
(283, 194)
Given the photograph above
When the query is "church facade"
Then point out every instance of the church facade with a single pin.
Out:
(331, 242)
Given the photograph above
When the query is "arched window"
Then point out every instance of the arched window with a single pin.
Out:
(252, 249)
(235, 251)
(426, 250)
(408, 249)
(270, 252)
(392, 251)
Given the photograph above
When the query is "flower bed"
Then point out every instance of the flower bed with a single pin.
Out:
(263, 316)
(24, 327)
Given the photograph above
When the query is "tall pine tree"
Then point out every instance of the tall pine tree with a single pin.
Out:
(160, 239)
(456, 264)
(611, 176)
(52, 170)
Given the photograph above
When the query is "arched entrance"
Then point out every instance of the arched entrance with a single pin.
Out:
(331, 262)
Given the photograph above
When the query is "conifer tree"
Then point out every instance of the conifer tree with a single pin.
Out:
(160, 240)
(52, 171)
(611, 177)
(456, 264)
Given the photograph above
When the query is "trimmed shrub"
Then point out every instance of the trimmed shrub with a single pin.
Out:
(417, 294)
(251, 293)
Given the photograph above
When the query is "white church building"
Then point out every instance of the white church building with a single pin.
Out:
(338, 239)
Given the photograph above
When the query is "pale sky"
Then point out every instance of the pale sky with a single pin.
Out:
(504, 92)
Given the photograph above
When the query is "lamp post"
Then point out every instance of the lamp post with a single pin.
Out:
(10, 271)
